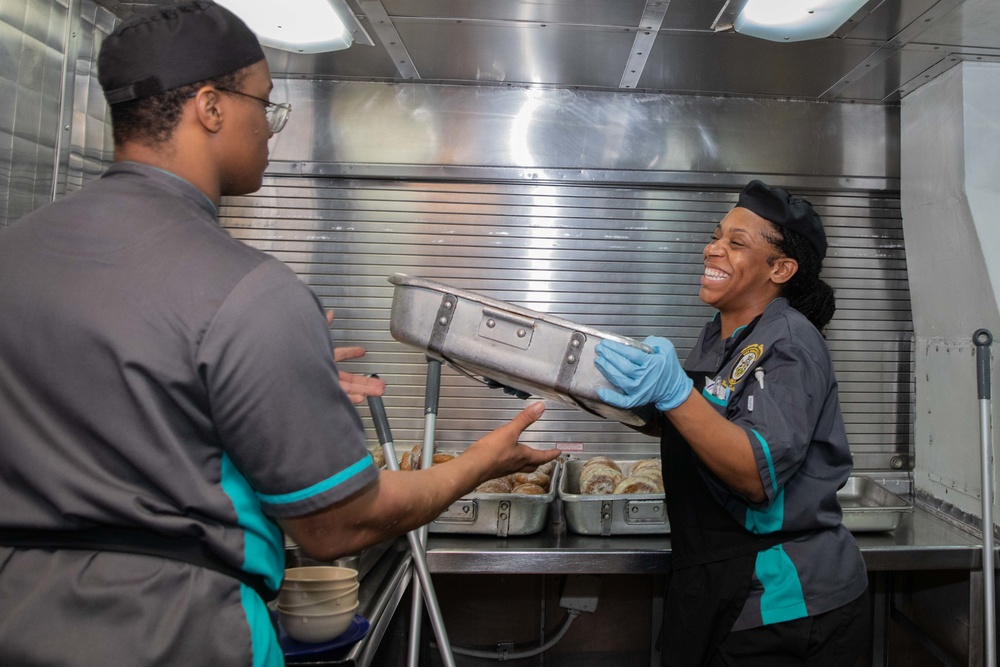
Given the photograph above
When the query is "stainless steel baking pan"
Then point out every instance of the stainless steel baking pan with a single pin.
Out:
(500, 514)
(870, 507)
(627, 514)
(506, 345)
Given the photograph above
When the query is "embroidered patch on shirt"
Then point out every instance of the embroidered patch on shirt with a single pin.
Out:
(748, 357)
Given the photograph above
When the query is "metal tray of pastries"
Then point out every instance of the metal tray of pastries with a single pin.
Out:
(517, 504)
(608, 497)
(504, 345)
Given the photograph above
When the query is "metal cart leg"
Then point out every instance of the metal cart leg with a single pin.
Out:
(416, 549)
(431, 394)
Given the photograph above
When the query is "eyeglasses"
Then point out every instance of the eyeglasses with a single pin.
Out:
(277, 114)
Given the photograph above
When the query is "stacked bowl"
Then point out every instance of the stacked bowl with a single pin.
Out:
(316, 604)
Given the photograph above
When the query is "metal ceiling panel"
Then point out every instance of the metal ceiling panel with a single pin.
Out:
(571, 12)
(889, 18)
(692, 14)
(728, 63)
(885, 79)
(974, 23)
(601, 44)
(524, 53)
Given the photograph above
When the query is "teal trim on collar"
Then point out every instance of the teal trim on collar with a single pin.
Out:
(712, 399)
(737, 331)
(767, 456)
(319, 487)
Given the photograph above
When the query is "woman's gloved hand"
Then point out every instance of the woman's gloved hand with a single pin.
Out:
(644, 378)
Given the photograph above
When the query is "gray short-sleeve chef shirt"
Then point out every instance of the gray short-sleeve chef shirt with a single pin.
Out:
(156, 373)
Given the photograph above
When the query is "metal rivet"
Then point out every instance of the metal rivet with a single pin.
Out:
(491, 323)
(449, 305)
(574, 343)
(443, 321)
(521, 333)
(571, 359)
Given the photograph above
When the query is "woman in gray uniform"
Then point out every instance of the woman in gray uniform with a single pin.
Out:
(754, 449)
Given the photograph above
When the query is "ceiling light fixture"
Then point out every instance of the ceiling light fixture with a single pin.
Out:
(794, 20)
(301, 26)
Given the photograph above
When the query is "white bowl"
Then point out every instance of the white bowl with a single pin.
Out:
(314, 601)
(319, 578)
(315, 629)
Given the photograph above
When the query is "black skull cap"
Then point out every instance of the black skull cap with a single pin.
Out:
(171, 46)
(785, 210)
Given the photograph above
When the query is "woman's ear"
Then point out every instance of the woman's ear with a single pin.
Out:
(207, 108)
(783, 269)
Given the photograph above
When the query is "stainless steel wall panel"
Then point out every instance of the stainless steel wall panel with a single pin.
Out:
(427, 131)
(621, 258)
(31, 35)
(89, 143)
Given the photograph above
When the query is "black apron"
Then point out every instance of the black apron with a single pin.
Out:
(712, 556)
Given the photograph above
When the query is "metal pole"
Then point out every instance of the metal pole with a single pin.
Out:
(982, 339)
(431, 394)
(381, 421)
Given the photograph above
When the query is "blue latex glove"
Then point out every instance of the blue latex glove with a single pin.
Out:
(643, 378)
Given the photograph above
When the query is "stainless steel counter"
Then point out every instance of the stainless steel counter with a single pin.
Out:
(921, 542)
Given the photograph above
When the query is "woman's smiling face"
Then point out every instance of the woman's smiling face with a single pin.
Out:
(738, 275)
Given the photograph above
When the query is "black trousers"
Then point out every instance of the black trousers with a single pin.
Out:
(836, 638)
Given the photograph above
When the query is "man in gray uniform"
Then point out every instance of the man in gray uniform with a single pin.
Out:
(754, 449)
(169, 401)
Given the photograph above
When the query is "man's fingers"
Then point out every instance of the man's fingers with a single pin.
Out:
(345, 353)
(528, 416)
(329, 316)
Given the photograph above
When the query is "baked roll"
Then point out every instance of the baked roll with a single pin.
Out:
(637, 485)
(499, 485)
(599, 478)
(533, 489)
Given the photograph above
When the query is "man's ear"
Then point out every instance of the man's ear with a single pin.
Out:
(209, 113)
(783, 269)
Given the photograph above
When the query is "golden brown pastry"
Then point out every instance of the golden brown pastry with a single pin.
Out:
(499, 485)
(533, 489)
(547, 468)
(636, 485)
(643, 465)
(441, 458)
(598, 478)
(378, 456)
(541, 479)
(603, 460)
(656, 480)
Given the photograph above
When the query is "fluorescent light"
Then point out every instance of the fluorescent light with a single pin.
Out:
(794, 20)
(302, 26)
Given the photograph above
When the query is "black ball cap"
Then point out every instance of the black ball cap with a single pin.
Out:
(786, 211)
(171, 46)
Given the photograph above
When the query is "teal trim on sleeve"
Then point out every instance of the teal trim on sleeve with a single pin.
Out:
(263, 543)
(319, 487)
(712, 399)
(770, 520)
(263, 640)
(782, 599)
(767, 456)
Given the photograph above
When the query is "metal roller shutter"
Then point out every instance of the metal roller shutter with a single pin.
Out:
(621, 258)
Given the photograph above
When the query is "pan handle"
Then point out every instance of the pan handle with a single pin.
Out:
(380, 419)
(983, 339)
